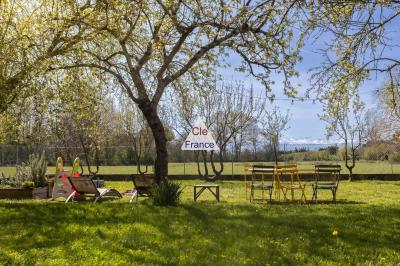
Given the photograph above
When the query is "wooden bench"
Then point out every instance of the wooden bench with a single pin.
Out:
(202, 187)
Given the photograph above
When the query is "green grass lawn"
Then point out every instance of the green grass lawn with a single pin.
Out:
(362, 167)
(232, 232)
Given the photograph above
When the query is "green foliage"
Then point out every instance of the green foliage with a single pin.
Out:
(28, 184)
(22, 174)
(38, 166)
(377, 152)
(166, 194)
(4, 180)
(321, 155)
(31, 174)
(394, 157)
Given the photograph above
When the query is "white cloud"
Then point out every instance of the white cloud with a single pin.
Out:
(310, 141)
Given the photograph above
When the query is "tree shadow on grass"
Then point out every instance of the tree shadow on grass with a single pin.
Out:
(261, 233)
(308, 202)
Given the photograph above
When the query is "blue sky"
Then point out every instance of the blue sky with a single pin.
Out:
(305, 125)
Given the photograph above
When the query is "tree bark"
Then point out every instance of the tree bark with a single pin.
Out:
(221, 163)
(204, 156)
(350, 172)
(157, 128)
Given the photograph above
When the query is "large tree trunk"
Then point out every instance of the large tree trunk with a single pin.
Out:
(161, 163)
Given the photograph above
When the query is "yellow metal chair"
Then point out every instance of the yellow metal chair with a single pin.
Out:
(287, 178)
(262, 179)
(247, 169)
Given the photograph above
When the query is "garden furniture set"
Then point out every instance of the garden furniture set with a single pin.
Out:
(277, 179)
(284, 178)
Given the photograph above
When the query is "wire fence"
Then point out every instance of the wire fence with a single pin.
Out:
(379, 158)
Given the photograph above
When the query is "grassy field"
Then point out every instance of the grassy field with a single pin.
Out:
(232, 232)
(362, 167)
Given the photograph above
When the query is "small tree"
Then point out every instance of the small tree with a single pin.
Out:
(274, 124)
(228, 111)
(80, 117)
(344, 114)
(252, 135)
(139, 134)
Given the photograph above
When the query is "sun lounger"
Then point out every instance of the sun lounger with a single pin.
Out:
(142, 185)
(85, 186)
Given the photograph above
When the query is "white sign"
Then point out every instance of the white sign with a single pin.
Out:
(199, 139)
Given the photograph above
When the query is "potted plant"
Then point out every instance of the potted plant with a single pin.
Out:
(29, 181)
(19, 186)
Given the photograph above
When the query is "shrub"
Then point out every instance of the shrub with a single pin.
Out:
(31, 174)
(166, 194)
(394, 157)
(28, 184)
(22, 175)
(38, 165)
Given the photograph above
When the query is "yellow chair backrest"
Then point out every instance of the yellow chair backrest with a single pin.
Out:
(287, 168)
(247, 167)
(262, 173)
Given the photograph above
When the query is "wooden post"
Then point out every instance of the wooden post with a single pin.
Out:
(184, 164)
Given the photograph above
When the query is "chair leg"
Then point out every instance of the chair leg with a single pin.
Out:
(96, 199)
(315, 193)
(251, 195)
(270, 194)
(334, 195)
(284, 192)
(303, 194)
(71, 197)
(134, 196)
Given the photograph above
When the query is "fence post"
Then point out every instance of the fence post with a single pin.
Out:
(232, 159)
(284, 151)
(337, 153)
(184, 164)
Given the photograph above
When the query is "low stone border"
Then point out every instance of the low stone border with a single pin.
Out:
(304, 177)
(24, 193)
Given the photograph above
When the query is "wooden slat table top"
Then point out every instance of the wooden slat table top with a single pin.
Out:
(207, 185)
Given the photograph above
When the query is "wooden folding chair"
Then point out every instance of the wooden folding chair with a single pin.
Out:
(330, 177)
(287, 178)
(260, 181)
